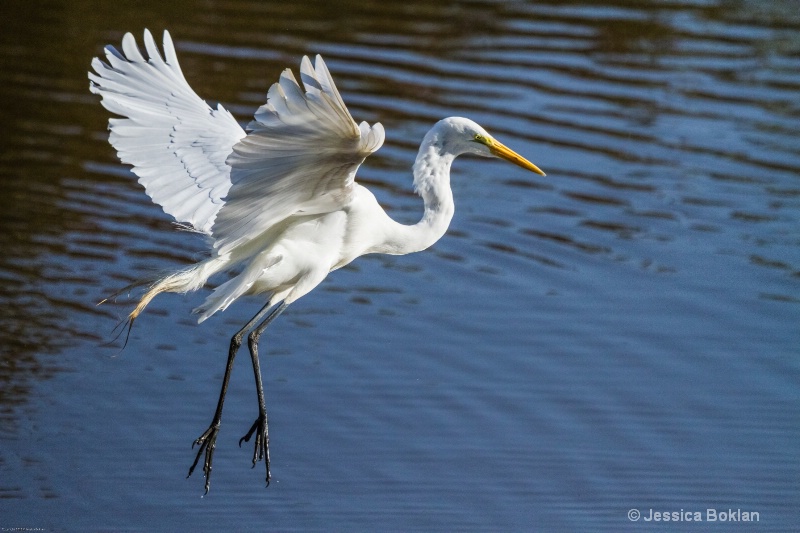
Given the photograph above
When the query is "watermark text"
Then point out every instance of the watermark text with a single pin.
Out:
(690, 515)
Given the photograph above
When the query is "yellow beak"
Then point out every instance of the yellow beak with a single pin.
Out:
(503, 152)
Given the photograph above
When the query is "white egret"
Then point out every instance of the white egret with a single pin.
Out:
(279, 202)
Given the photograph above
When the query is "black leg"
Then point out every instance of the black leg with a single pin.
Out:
(207, 441)
(260, 427)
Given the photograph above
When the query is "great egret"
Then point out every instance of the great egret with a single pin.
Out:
(279, 203)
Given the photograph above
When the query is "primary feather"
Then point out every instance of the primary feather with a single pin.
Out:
(300, 156)
(176, 143)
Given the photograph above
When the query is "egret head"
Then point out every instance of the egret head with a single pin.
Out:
(463, 136)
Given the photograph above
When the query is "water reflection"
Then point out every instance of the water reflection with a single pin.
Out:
(663, 243)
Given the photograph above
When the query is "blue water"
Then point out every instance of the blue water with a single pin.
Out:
(620, 335)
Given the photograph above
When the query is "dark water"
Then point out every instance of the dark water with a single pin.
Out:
(620, 335)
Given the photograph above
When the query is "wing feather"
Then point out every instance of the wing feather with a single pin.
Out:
(176, 143)
(299, 158)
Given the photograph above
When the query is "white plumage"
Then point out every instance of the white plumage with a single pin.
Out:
(278, 202)
(176, 143)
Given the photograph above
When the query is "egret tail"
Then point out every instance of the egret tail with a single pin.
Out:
(183, 281)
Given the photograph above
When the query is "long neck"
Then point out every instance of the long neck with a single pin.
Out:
(432, 183)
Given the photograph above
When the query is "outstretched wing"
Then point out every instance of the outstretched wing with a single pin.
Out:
(176, 143)
(299, 157)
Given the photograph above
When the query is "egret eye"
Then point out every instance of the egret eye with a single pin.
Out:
(480, 138)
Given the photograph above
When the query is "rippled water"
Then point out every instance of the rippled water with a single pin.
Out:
(622, 334)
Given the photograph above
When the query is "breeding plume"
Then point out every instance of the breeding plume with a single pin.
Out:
(278, 202)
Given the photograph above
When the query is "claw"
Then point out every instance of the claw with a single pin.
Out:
(208, 443)
(261, 448)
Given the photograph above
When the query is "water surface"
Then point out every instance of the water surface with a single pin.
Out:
(622, 334)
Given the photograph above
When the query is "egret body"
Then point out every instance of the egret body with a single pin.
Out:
(279, 202)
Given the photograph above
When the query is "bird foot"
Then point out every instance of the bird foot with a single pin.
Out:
(261, 449)
(207, 442)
